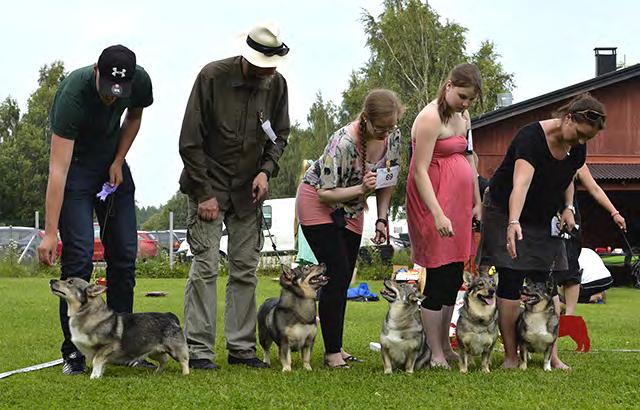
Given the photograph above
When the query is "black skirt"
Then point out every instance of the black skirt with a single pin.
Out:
(537, 250)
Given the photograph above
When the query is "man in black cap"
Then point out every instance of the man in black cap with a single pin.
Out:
(88, 149)
(235, 129)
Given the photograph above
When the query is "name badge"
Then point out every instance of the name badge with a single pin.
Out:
(386, 177)
(266, 126)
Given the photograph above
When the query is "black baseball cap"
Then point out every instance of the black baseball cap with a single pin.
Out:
(117, 66)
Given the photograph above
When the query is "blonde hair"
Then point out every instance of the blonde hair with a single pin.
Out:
(379, 103)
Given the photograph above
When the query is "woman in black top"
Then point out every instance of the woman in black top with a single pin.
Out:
(534, 183)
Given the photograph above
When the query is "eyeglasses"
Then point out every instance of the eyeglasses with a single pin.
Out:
(592, 115)
(380, 131)
(281, 50)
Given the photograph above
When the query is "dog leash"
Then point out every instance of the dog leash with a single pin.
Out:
(273, 244)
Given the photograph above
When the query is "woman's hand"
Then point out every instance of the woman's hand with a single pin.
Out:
(514, 232)
(619, 220)
(381, 233)
(443, 226)
(567, 219)
(368, 183)
(476, 212)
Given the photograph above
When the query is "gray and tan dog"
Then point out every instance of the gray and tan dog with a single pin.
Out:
(290, 320)
(537, 325)
(477, 326)
(105, 336)
(402, 340)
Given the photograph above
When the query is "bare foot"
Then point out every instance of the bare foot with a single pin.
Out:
(559, 364)
(439, 364)
(334, 360)
(451, 356)
(510, 364)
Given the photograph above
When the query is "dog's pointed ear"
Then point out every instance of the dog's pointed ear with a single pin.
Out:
(287, 274)
(95, 290)
(495, 278)
(467, 277)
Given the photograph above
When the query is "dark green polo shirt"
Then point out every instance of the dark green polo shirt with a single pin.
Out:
(222, 144)
(78, 114)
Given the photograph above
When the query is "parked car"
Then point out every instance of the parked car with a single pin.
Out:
(181, 234)
(147, 245)
(164, 238)
(25, 239)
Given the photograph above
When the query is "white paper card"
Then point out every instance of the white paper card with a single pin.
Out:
(387, 176)
(266, 126)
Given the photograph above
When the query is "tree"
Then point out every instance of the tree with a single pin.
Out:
(412, 52)
(160, 220)
(24, 157)
(9, 117)
(304, 144)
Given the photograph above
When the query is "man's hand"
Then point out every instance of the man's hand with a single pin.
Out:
(115, 173)
(260, 187)
(47, 249)
(208, 210)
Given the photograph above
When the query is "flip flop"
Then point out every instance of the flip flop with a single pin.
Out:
(336, 366)
(351, 358)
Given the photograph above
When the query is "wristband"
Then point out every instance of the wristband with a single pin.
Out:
(571, 208)
(614, 213)
(514, 222)
(384, 221)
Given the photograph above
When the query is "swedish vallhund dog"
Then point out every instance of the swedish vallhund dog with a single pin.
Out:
(290, 320)
(537, 325)
(105, 336)
(402, 340)
(477, 327)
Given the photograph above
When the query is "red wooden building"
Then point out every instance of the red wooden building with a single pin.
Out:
(613, 157)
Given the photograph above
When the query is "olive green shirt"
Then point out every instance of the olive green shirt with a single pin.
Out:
(222, 143)
(79, 114)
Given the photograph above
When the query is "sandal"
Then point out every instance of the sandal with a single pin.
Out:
(350, 358)
(336, 366)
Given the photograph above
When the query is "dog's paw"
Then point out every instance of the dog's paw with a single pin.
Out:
(388, 371)
(523, 366)
(464, 370)
(486, 370)
(286, 369)
(307, 366)
(95, 376)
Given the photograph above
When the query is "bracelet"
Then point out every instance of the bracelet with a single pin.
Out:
(571, 208)
(384, 221)
(615, 213)
(514, 222)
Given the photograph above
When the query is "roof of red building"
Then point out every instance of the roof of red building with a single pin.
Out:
(615, 171)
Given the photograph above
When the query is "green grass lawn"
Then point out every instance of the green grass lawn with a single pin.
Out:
(29, 334)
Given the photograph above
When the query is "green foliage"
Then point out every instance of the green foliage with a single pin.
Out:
(24, 154)
(304, 144)
(10, 268)
(178, 204)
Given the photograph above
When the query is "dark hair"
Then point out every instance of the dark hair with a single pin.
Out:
(462, 75)
(584, 109)
(379, 103)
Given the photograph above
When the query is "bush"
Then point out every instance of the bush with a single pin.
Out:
(10, 268)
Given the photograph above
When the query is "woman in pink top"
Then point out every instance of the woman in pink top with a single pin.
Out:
(442, 199)
(331, 201)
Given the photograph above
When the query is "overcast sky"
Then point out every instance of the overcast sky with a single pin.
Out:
(546, 45)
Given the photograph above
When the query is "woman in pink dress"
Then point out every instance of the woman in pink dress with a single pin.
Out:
(442, 199)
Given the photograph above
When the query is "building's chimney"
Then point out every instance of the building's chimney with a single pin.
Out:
(504, 100)
(605, 60)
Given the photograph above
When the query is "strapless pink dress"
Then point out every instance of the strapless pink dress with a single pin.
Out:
(452, 180)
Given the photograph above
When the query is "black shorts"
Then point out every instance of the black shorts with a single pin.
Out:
(442, 285)
(510, 282)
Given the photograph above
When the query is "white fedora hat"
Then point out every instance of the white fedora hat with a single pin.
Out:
(262, 46)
